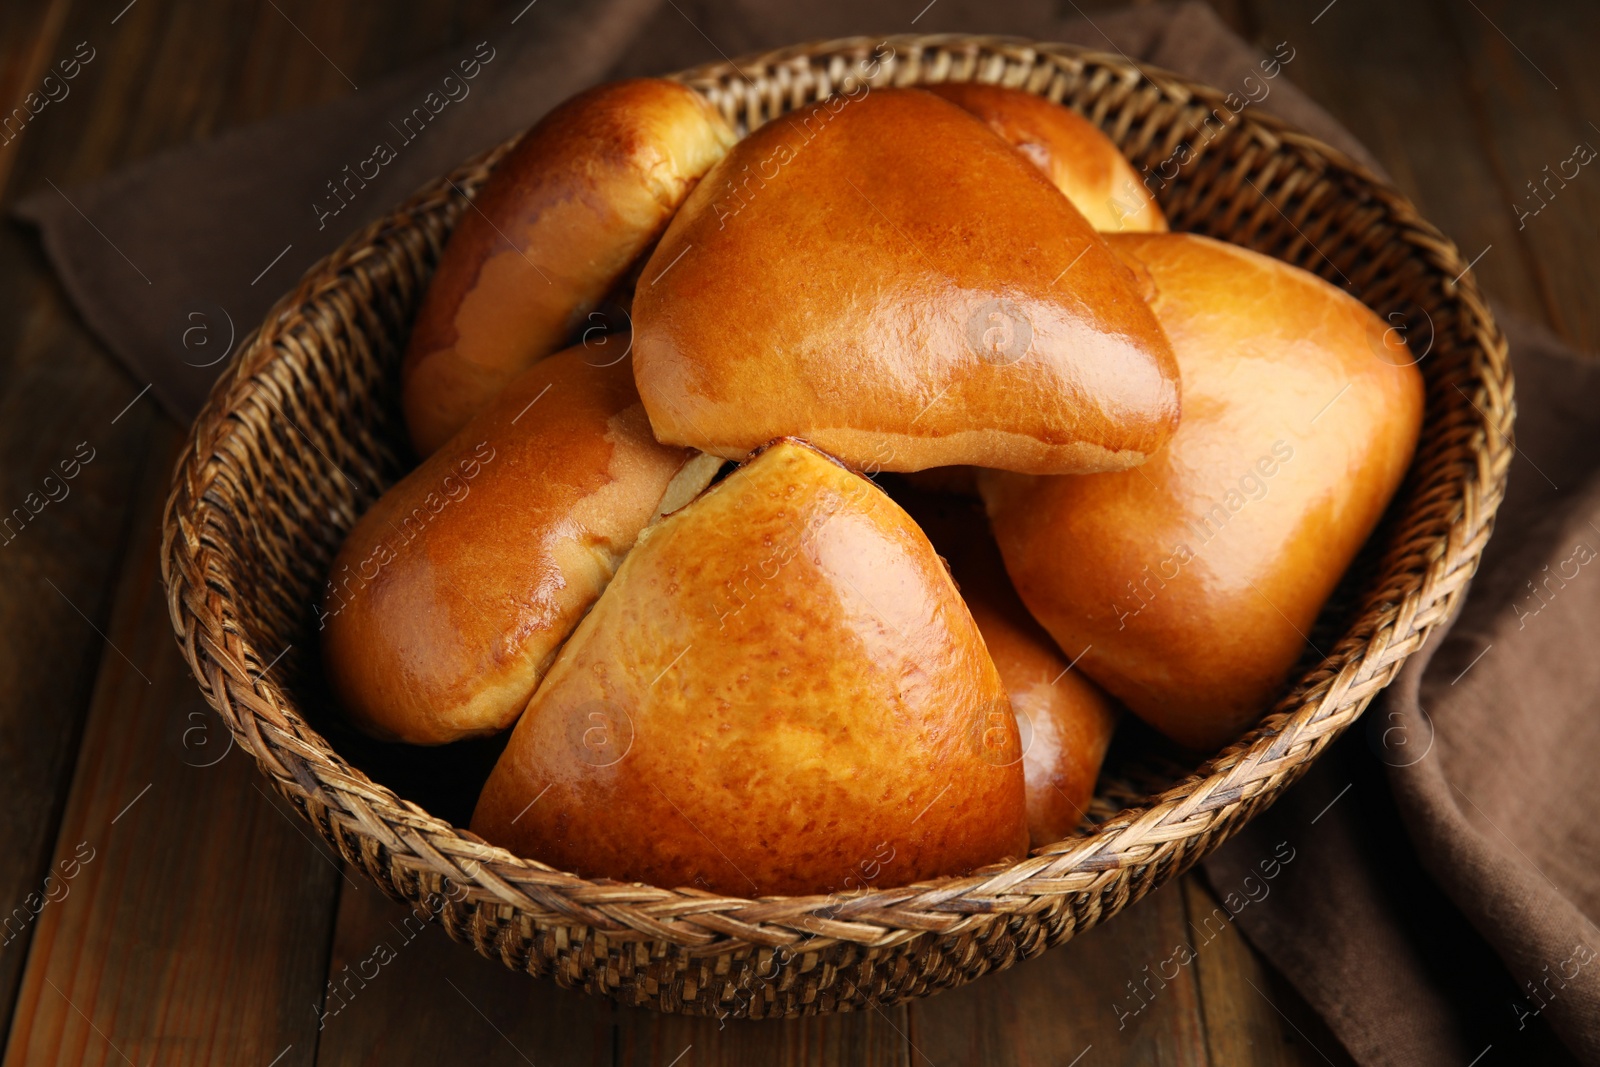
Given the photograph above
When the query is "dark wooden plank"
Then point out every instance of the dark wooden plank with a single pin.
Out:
(191, 914)
(1392, 74)
(29, 38)
(1091, 997)
(55, 576)
(400, 992)
(163, 73)
(61, 403)
(876, 1037)
(1528, 68)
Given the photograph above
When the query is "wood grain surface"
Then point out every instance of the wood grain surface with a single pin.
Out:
(166, 908)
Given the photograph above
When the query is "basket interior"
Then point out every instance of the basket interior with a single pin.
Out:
(316, 431)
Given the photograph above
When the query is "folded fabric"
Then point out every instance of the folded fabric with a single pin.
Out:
(1448, 858)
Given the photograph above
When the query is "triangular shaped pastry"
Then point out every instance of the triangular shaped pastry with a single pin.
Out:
(1065, 720)
(780, 692)
(888, 279)
(1193, 583)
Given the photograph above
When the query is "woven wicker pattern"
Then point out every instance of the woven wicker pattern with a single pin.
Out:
(302, 432)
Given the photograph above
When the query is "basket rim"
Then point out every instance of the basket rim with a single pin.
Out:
(1203, 809)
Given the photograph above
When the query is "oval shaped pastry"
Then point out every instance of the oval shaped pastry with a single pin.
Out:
(558, 223)
(780, 692)
(453, 592)
(1081, 161)
(1065, 721)
(885, 277)
(1196, 578)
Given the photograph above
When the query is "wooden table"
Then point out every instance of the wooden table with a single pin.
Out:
(202, 922)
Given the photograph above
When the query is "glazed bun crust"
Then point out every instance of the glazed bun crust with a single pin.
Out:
(453, 592)
(781, 692)
(559, 222)
(886, 278)
(1081, 161)
(1196, 578)
(1065, 721)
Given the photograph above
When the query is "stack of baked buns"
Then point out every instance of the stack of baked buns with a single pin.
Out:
(927, 450)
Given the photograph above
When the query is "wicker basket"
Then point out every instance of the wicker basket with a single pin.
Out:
(302, 432)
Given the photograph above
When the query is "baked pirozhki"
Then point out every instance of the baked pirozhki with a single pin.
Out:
(790, 681)
(780, 683)
(900, 287)
(559, 222)
(1065, 721)
(1081, 161)
(1193, 582)
(453, 593)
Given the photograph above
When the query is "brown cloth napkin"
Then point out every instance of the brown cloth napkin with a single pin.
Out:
(1447, 851)
(1443, 867)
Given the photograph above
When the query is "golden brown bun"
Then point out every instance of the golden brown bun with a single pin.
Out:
(453, 592)
(1065, 720)
(780, 692)
(1196, 578)
(886, 278)
(558, 223)
(1081, 161)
